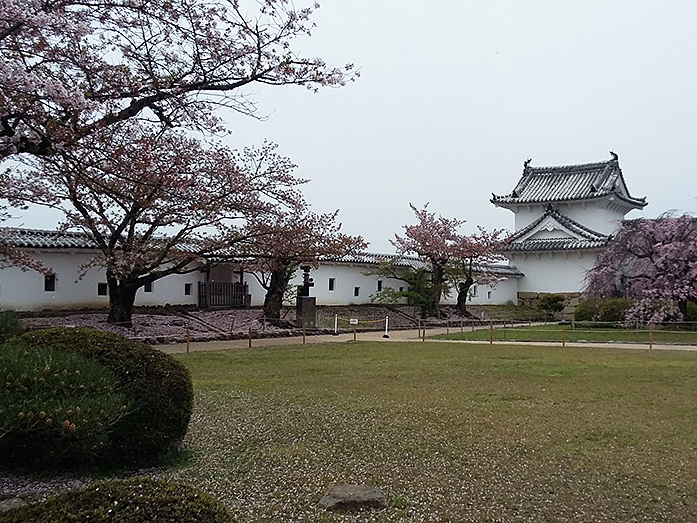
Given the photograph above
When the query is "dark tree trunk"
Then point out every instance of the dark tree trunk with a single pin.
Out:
(122, 296)
(436, 290)
(273, 301)
(682, 307)
(463, 290)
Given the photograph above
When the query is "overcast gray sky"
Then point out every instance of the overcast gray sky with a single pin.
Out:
(454, 95)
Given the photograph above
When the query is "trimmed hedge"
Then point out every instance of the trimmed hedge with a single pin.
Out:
(602, 310)
(158, 389)
(10, 325)
(136, 500)
(55, 406)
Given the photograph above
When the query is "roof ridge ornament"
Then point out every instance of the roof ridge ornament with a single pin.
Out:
(526, 166)
(615, 157)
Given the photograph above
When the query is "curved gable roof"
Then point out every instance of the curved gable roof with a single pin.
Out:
(580, 238)
(570, 182)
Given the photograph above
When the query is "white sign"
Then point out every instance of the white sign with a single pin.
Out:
(353, 321)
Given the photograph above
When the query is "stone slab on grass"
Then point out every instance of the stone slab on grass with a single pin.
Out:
(349, 498)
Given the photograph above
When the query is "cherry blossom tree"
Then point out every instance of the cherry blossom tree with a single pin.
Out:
(470, 262)
(69, 68)
(279, 248)
(417, 279)
(433, 239)
(454, 259)
(156, 203)
(653, 262)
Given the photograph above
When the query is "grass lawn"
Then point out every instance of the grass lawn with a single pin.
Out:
(554, 332)
(450, 432)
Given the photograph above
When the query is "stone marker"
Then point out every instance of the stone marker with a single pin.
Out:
(10, 503)
(348, 498)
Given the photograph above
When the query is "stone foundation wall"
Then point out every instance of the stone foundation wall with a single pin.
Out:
(531, 299)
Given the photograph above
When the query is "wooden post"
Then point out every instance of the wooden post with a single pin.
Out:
(354, 333)
(650, 336)
(187, 339)
(250, 337)
(303, 334)
(423, 337)
(563, 337)
(491, 334)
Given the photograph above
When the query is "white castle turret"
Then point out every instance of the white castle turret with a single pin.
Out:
(563, 216)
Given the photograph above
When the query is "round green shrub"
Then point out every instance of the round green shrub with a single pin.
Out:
(610, 310)
(10, 325)
(136, 500)
(157, 388)
(691, 314)
(55, 406)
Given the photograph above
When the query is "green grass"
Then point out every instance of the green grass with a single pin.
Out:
(555, 332)
(450, 432)
(508, 312)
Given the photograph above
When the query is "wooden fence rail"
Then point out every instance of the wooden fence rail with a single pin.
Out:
(223, 294)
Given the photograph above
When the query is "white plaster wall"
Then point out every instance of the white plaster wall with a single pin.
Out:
(170, 290)
(594, 214)
(553, 272)
(20, 290)
(346, 278)
(503, 292)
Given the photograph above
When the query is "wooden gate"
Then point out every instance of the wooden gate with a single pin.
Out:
(223, 294)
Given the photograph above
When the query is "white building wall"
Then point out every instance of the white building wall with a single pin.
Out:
(503, 292)
(593, 214)
(348, 277)
(171, 290)
(24, 290)
(553, 271)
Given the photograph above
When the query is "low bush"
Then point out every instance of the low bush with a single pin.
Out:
(157, 389)
(611, 310)
(552, 303)
(55, 406)
(10, 325)
(136, 500)
(691, 314)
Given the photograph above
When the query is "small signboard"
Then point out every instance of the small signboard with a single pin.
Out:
(353, 321)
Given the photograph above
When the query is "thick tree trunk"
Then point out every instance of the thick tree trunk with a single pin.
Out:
(273, 301)
(122, 296)
(436, 290)
(463, 290)
(682, 307)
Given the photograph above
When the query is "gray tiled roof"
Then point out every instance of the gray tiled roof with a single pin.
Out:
(370, 258)
(586, 238)
(416, 263)
(500, 270)
(568, 183)
(41, 239)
